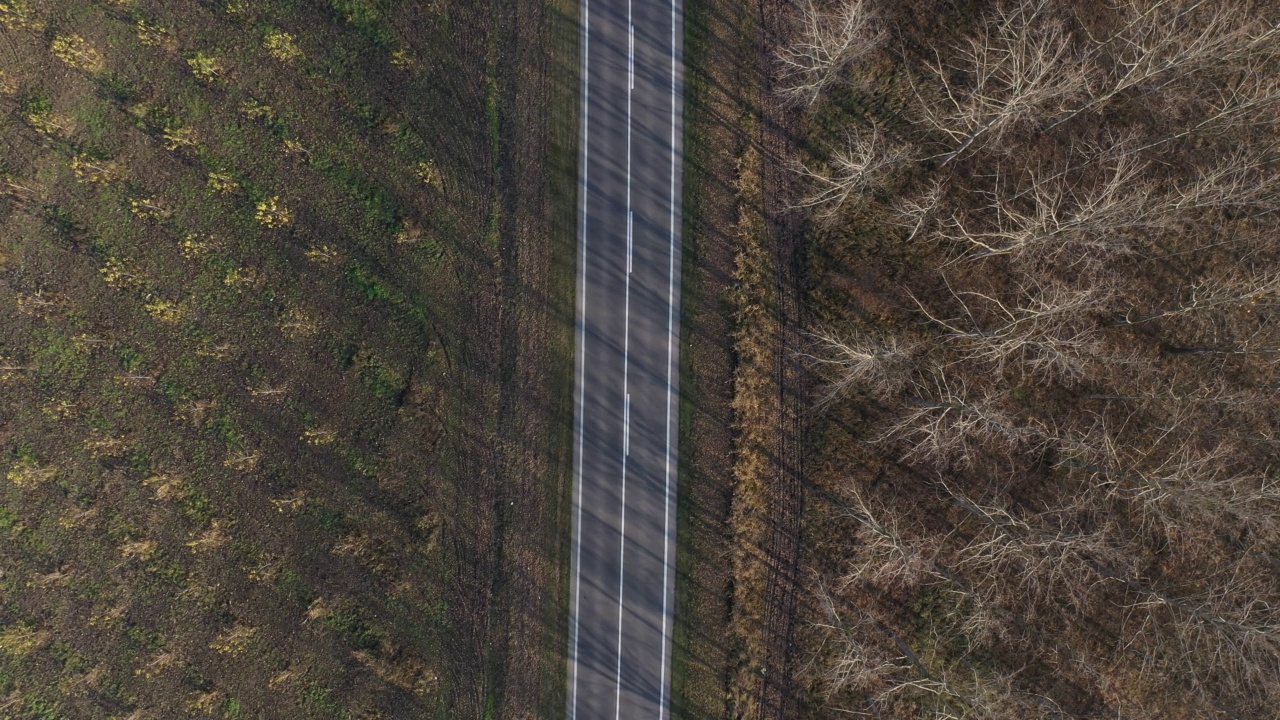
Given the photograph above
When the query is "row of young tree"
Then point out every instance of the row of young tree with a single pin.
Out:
(1081, 369)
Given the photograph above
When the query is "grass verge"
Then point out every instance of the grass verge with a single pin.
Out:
(720, 86)
(740, 490)
(563, 168)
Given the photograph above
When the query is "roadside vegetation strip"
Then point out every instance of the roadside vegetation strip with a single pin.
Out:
(237, 278)
(738, 489)
(701, 635)
(563, 70)
(756, 394)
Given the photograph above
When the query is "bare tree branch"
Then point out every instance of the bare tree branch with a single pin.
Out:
(828, 41)
(1021, 65)
(863, 165)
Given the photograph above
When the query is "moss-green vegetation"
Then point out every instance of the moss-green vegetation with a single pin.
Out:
(269, 320)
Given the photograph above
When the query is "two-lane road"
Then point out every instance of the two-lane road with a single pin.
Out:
(628, 360)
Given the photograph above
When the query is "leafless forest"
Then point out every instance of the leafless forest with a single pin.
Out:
(1043, 292)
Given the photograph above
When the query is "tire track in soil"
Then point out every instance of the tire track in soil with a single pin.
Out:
(778, 697)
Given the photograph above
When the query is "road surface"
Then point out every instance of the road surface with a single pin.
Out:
(628, 360)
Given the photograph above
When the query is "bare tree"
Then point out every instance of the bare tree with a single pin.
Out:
(1050, 333)
(866, 658)
(1237, 180)
(918, 213)
(1169, 482)
(828, 41)
(1222, 637)
(1233, 289)
(940, 422)
(1160, 42)
(888, 555)
(864, 164)
(860, 660)
(1016, 561)
(1020, 66)
(1222, 633)
(1092, 459)
(1056, 221)
(877, 366)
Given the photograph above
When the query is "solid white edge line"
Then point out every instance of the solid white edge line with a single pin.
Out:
(585, 34)
(671, 280)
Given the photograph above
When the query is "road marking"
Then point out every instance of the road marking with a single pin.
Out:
(581, 360)
(671, 282)
(626, 365)
(582, 346)
(631, 55)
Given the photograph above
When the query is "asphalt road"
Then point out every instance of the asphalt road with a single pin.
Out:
(628, 361)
